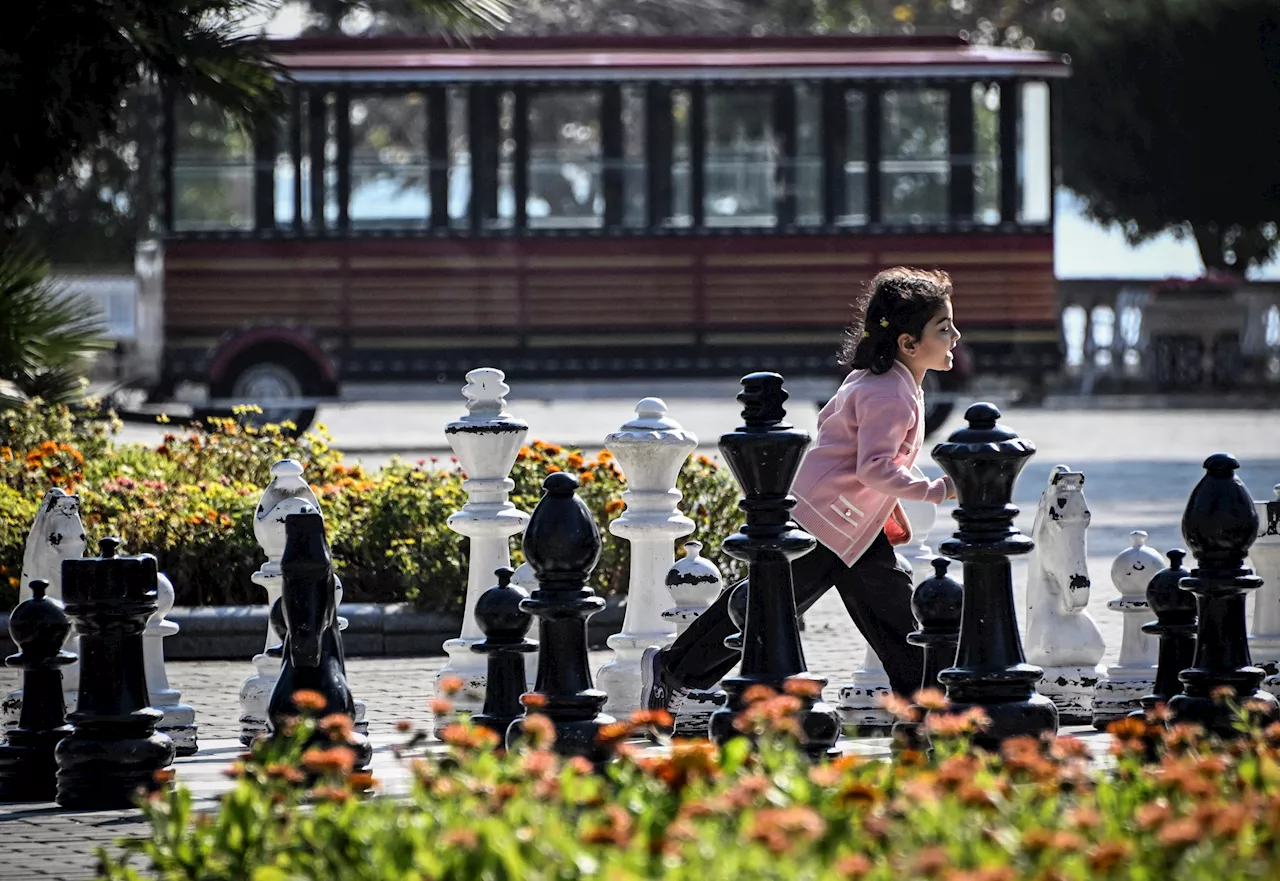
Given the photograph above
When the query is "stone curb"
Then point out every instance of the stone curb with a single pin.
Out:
(374, 630)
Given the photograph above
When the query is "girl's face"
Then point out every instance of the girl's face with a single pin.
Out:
(932, 351)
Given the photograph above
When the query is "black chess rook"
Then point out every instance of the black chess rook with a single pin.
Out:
(114, 750)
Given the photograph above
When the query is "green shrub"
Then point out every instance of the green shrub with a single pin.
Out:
(190, 501)
(1202, 811)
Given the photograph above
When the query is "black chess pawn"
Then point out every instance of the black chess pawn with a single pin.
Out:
(28, 770)
(114, 750)
(1175, 626)
(990, 671)
(937, 603)
(1220, 523)
(562, 544)
(312, 653)
(764, 454)
(504, 625)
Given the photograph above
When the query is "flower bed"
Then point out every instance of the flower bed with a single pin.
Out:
(1173, 806)
(190, 501)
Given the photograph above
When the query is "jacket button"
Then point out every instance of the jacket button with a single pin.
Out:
(848, 513)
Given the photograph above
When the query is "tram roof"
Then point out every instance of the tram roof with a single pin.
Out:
(560, 59)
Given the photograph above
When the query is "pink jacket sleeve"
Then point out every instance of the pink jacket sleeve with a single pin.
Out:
(883, 425)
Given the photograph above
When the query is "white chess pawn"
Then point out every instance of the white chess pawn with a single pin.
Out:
(1264, 634)
(1135, 674)
(486, 442)
(179, 720)
(695, 583)
(923, 517)
(287, 493)
(650, 450)
(56, 535)
(859, 703)
(525, 578)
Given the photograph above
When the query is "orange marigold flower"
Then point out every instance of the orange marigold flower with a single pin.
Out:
(404, 726)
(605, 456)
(552, 469)
(451, 685)
(1222, 694)
(282, 771)
(330, 793)
(656, 718)
(802, 688)
(163, 776)
(553, 449)
(574, 460)
(525, 453)
(757, 693)
(464, 838)
(362, 780)
(780, 829)
(441, 706)
(338, 724)
(930, 861)
(1108, 854)
(336, 759)
(612, 733)
(1152, 813)
(854, 866)
(931, 699)
(309, 699)
(581, 765)
(1181, 832)
(614, 506)
(539, 763)
(586, 476)
(898, 707)
(539, 730)
(703, 460)
(533, 700)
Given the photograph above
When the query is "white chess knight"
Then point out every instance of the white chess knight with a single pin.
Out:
(56, 535)
(650, 450)
(1264, 633)
(288, 493)
(486, 442)
(1061, 636)
(1134, 675)
(179, 720)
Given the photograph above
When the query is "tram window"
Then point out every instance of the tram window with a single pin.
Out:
(635, 186)
(212, 170)
(506, 218)
(284, 176)
(681, 158)
(808, 155)
(914, 156)
(459, 159)
(742, 155)
(855, 165)
(566, 160)
(986, 148)
(389, 185)
(1034, 174)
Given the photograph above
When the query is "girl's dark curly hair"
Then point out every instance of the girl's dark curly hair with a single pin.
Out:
(897, 301)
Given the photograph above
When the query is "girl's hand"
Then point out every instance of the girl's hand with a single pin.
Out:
(951, 488)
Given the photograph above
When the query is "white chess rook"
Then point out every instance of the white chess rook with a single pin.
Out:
(486, 442)
(1264, 635)
(288, 493)
(1062, 637)
(695, 583)
(650, 450)
(56, 535)
(179, 720)
(1135, 674)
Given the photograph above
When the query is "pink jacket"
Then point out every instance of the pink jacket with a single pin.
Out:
(848, 485)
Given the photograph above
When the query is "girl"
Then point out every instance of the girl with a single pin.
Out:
(847, 490)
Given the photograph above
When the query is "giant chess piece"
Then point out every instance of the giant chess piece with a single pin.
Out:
(937, 603)
(179, 721)
(504, 625)
(1134, 675)
(650, 450)
(288, 493)
(56, 535)
(860, 701)
(1264, 632)
(28, 770)
(312, 655)
(990, 672)
(562, 544)
(695, 583)
(486, 442)
(764, 454)
(114, 749)
(1175, 626)
(1062, 637)
(923, 516)
(1219, 524)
